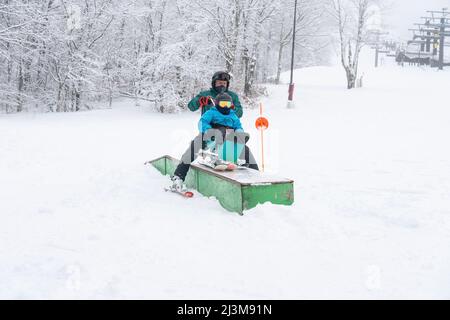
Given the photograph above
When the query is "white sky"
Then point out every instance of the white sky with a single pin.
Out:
(404, 13)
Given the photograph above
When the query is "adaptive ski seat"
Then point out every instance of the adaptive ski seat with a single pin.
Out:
(231, 146)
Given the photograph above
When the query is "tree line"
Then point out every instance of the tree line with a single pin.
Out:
(72, 55)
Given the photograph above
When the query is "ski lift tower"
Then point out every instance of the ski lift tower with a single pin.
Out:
(375, 43)
(436, 28)
(375, 31)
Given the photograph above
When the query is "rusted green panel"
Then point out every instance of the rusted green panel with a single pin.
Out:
(160, 165)
(281, 193)
(227, 193)
(234, 191)
(167, 165)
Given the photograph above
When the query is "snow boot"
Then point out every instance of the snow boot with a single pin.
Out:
(178, 184)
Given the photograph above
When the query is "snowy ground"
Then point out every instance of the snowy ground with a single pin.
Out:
(81, 217)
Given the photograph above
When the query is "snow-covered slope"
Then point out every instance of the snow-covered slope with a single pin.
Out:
(81, 217)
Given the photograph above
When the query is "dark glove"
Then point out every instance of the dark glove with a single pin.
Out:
(204, 101)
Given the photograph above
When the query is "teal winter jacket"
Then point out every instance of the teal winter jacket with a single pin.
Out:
(214, 117)
(194, 104)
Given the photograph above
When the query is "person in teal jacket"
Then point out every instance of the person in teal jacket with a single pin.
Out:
(215, 116)
(220, 84)
(217, 121)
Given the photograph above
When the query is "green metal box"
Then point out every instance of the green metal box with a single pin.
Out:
(237, 190)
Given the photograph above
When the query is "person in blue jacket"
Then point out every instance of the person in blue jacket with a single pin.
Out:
(220, 116)
(217, 122)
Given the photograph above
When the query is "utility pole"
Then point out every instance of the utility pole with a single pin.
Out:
(291, 104)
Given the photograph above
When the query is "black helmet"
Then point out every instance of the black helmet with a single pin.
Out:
(221, 75)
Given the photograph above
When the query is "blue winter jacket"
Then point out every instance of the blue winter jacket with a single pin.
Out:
(213, 116)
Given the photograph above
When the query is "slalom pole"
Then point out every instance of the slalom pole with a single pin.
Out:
(262, 151)
(262, 139)
(262, 124)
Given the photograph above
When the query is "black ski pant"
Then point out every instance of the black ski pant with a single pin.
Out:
(200, 143)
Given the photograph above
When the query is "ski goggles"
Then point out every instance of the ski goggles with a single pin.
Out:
(223, 77)
(225, 104)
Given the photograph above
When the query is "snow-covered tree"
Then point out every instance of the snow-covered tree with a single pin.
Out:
(352, 20)
(309, 31)
(68, 55)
